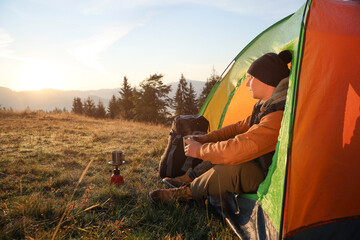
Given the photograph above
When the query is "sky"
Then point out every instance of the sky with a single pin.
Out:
(93, 44)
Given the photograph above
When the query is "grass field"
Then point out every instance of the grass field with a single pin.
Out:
(42, 157)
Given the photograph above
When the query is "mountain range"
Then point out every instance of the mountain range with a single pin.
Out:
(49, 99)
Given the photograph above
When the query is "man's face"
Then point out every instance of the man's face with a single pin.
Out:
(257, 88)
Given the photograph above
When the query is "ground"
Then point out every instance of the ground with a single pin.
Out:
(42, 159)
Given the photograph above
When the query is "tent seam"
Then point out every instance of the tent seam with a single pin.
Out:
(229, 101)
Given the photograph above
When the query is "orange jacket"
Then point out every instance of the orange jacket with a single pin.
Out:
(239, 143)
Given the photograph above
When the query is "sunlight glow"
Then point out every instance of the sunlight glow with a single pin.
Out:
(40, 74)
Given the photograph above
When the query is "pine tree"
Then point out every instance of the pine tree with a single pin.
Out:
(152, 100)
(190, 101)
(113, 109)
(125, 102)
(89, 107)
(210, 82)
(180, 96)
(77, 106)
(100, 110)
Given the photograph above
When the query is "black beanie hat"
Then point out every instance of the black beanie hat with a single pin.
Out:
(271, 67)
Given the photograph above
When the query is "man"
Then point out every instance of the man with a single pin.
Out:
(241, 153)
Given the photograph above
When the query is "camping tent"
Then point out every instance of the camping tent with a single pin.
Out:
(312, 189)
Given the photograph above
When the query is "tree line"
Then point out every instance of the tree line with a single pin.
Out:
(150, 102)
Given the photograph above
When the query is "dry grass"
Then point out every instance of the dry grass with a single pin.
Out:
(42, 158)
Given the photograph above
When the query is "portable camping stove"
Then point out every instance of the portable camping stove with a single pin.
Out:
(118, 158)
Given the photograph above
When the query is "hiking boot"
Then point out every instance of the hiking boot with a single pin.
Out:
(178, 181)
(172, 194)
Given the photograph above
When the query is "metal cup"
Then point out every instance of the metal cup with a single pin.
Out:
(187, 137)
(118, 158)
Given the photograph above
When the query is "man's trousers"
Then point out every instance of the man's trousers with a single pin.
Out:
(242, 178)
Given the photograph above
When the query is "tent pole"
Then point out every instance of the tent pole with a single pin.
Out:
(226, 69)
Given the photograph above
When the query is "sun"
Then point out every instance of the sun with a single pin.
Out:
(40, 74)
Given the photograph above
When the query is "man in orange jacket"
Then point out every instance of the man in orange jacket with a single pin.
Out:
(241, 153)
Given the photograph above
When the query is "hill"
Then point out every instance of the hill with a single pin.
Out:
(49, 99)
(42, 158)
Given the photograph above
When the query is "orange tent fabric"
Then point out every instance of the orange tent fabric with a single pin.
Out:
(323, 180)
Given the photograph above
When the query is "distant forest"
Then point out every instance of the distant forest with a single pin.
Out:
(150, 102)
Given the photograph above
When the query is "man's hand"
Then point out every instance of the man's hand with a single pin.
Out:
(192, 149)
